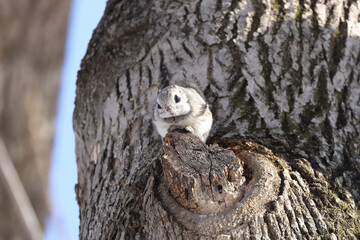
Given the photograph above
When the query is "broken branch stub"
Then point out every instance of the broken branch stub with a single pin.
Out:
(211, 190)
(204, 179)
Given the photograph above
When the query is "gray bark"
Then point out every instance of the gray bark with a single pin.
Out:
(283, 74)
(32, 39)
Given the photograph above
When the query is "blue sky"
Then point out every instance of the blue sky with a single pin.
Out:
(63, 222)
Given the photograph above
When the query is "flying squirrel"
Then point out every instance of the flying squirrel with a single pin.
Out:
(182, 107)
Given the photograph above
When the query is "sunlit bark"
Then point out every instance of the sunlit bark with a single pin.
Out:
(283, 74)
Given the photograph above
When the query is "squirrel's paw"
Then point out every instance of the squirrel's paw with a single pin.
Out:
(190, 129)
(172, 128)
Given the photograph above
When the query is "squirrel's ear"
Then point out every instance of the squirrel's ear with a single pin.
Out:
(173, 86)
(159, 90)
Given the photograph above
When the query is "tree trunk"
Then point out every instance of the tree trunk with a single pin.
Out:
(282, 79)
(32, 40)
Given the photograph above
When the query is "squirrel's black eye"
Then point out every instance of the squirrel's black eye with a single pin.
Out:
(159, 107)
(177, 99)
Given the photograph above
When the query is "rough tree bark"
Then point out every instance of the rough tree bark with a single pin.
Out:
(282, 78)
(32, 40)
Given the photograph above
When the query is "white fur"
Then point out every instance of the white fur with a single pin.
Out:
(190, 105)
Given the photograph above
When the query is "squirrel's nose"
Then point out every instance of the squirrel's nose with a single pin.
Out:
(169, 110)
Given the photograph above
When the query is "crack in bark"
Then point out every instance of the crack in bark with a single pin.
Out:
(164, 73)
(259, 8)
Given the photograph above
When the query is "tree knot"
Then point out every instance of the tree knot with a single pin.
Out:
(203, 184)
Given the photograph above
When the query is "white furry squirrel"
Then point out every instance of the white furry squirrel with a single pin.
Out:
(182, 107)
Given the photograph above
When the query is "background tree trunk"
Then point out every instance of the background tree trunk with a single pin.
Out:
(32, 39)
(283, 74)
